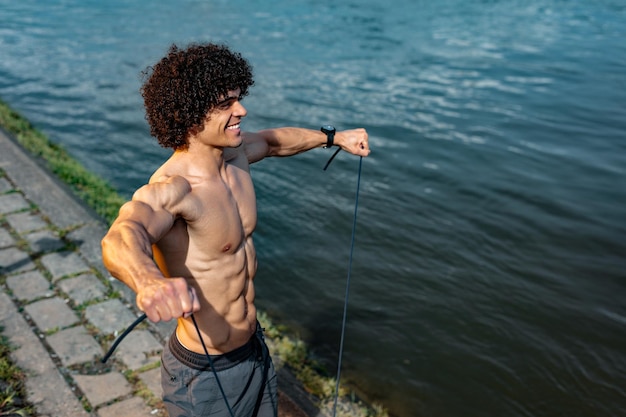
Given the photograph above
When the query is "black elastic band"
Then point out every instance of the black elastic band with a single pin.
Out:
(217, 379)
(331, 158)
(122, 336)
(345, 303)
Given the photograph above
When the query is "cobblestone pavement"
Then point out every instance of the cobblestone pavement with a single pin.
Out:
(60, 308)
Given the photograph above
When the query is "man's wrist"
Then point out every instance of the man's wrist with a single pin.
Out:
(329, 131)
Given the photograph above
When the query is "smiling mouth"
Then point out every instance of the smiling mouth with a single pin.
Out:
(233, 127)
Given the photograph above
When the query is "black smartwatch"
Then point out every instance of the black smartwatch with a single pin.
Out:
(330, 135)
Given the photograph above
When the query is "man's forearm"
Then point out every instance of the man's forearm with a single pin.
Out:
(127, 253)
(128, 257)
(287, 141)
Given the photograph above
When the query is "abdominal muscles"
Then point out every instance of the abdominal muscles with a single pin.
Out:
(225, 288)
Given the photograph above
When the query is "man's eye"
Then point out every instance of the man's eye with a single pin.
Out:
(226, 103)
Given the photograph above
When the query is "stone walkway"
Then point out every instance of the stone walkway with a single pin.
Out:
(60, 308)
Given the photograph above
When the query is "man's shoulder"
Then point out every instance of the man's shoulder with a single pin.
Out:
(237, 156)
(164, 190)
(167, 180)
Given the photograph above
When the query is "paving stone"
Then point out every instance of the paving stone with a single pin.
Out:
(152, 380)
(82, 288)
(45, 388)
(124, 290)
(110, 316)
(87, 239)
(44, 241)
(7, 312)
(139, 349)
(29, 286)
(14, 260)
(61, 264)
(12, 202)
(26, 222)
(74, 346)
(30, 347)
(6, 239)
(21, 336)
(100, 389)
(51, 395)
(133, 407)
(51, 313)
(5, 185)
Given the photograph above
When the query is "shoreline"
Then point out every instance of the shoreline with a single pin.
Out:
(307, 392)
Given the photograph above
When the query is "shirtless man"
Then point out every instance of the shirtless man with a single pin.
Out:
(184, 241)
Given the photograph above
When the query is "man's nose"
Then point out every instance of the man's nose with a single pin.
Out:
(240, 110)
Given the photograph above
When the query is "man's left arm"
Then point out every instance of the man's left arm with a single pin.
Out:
(287, 141)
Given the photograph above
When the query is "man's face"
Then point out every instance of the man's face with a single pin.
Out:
(223, 124)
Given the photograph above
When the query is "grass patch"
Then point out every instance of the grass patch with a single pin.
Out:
(93, 190)
(292, 352)
(12, 391)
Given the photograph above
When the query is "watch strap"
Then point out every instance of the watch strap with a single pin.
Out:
(330, 135)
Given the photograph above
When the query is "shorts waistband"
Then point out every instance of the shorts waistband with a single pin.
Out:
(200, 362)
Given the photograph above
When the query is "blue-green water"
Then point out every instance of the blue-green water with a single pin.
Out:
(490, 261)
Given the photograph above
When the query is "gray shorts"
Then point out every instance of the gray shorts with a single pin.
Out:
(246, 374)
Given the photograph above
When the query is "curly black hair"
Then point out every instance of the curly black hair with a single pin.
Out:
(186, 85)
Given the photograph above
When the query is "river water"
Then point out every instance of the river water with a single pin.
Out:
(489, 266)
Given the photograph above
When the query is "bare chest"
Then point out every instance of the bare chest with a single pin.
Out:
(225, 215)
(217, 218)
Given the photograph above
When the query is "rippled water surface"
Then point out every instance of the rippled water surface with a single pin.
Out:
(489, 266)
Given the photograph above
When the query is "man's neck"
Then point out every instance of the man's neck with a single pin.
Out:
(203, 157)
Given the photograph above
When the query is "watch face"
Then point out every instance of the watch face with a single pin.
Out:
(328, 128)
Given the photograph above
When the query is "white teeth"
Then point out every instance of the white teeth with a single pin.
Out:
(233, 126)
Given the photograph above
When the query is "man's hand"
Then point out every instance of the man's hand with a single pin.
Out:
(167, 298)
(354, 141)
